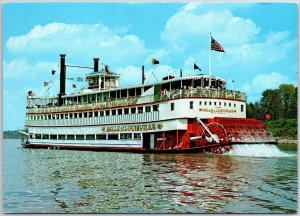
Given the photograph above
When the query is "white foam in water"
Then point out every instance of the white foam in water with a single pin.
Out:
(258, 150)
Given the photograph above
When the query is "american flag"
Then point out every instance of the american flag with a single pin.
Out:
(214, 45)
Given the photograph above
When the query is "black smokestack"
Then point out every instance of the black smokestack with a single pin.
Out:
(143, 74)
(180, 72)
(62, 78)
(96, 64)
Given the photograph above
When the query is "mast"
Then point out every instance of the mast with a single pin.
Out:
(209, 66)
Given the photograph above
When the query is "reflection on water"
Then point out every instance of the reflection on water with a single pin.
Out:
(53, 181)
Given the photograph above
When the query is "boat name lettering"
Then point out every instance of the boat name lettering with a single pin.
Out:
(217, 110)
(132, 128)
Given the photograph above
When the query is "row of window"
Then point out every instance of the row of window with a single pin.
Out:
(91, 114)
(205, 103)
(209, 103)
(87, 136)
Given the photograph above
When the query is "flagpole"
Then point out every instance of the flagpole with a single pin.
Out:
(209, 48)
(209, 66)
(51, 89)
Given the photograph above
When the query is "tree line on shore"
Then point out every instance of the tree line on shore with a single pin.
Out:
(278, 108)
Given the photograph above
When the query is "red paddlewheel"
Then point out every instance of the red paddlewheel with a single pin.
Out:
(218, 131)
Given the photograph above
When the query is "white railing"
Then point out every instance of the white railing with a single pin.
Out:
(162, 96)
(116, 119)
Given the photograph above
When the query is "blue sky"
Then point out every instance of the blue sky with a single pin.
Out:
(260, 40)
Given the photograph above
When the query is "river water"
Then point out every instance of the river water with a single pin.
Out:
(249, 179)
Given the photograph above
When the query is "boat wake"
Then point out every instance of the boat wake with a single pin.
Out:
(258, 150)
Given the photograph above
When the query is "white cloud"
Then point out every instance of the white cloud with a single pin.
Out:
(274, 48)
(227, 28)
(21, 69)
(262, 82)
(84, 40)
(268, 81)
(130, 75)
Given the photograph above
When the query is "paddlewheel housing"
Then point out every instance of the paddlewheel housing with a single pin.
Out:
(227, 131)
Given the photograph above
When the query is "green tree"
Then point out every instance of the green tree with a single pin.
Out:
(288, 95)
(254, 110)
(271, 103)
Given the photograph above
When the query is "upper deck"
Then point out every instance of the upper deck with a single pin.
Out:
(200, 86)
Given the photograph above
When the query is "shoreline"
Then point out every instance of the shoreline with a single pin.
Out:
(286, 141)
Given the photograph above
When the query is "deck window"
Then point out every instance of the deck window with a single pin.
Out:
(101, 136)
(205, 103)
(215, 103)
(200, 103)
(38, 136)
(49, 116)
(137, 136)
(148, 109)
(85, 114)
(45, 136)
(53, 136)
(242, 108)
(101, 113)
(96, 113)
(209, 103)
(61, 136)
(172, 106)
(191, 104)
(112, 136)
(71, 115)
(133, 110)
(140, 109)
(230, 104)
(119, 111)
(125, 136)
(80, 137)
(79, 115)
(126, 111)
(90, 114)
(61, 116)
(113, 112)
(107, 112)
(75, 115)
(90, 136)
(224, 104)
(70, 137)
(155, 107)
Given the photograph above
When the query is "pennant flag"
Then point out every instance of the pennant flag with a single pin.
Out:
(154, 61)
(214, 45)
(46, 83)
(73, 86)
(53, 72)
(196, 67)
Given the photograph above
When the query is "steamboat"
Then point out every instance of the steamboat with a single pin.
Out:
(178, 114)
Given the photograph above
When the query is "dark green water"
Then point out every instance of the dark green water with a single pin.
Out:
(56, 181)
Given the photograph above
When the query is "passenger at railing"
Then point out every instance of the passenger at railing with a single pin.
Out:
(168, 94)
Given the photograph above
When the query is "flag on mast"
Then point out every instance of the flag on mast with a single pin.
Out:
(214, 45)
(196, 67)
(154, 61)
